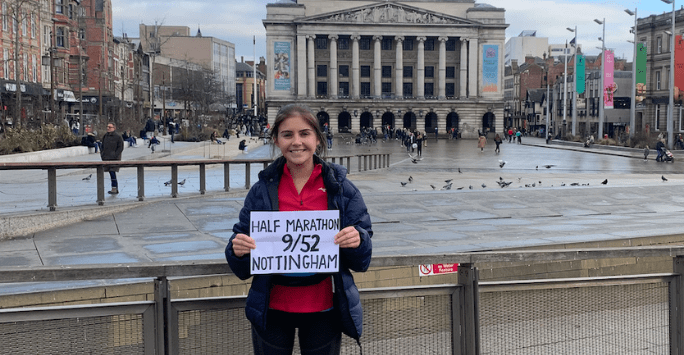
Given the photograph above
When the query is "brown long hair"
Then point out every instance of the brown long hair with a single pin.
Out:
(290, 110)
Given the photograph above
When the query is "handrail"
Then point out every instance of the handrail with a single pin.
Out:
(203, 268)
(140, 165)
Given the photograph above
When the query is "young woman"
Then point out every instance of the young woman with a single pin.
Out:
(321, 306)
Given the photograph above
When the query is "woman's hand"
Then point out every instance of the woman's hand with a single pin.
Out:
(243, 244)
(348, 238)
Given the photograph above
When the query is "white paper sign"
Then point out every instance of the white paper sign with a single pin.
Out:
(295, 242)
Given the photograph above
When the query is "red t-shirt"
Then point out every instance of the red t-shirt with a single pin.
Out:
(302, 299)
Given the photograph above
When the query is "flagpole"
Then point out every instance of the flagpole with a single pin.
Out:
(565, 89)
(256, 98)
(574, 91)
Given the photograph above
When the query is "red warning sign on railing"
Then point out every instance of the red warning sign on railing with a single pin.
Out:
(437, 269)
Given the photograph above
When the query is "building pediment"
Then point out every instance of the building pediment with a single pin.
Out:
(384, 13)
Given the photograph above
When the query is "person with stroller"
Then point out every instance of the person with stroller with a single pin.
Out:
(660, 148)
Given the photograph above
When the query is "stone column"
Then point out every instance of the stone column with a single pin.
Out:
(463, 73)
(472, 67)
(399, 70)
(377, 67)
(356, 76)
(333, 90)
(442, 67)
(311, 66)
(301, 66)
(420, 69)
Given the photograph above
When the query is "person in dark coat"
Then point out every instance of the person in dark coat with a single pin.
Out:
(112, 147)
(150, 126)
(276, 303)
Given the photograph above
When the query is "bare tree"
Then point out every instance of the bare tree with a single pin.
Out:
(18, 14)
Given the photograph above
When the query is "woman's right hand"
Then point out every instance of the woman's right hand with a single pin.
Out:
(243, 244)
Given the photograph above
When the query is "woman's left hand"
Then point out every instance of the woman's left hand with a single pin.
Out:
(348, 238)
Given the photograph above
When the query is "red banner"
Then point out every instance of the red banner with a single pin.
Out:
(679, 65)
(437, 269)
(608, 80)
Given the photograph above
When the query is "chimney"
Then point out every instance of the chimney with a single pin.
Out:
(242, 59)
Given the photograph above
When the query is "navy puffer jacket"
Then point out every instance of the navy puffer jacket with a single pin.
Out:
(342, 196)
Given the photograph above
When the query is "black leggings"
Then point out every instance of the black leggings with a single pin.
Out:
(319, 333)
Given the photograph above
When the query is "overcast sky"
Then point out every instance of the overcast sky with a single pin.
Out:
(237, 21)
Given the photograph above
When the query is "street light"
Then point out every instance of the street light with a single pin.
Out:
(574, 91)
(632, 106)
(670, 106)
(603, 69)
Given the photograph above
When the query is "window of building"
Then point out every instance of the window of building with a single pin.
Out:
(408, 44)
(24, 25)
(322, 70)
(33, 26)
(429, 72)
(70, 11)
(365, 71)
(429, 89)
(386, 71)
(408, 71)
(321, 43)
(365, 43)
(81, 34)
(659, 44)
(344, 89)
(451, 45)
(450, 72)
(60, 39)
(34, 68)
(59, 6)
(6, 61)
(408, 89)
(4, 16)
(386, 44)
(25, 71)
(430, 44)
(343, 43)
(657, 78)
(344, 71)
(47, 40)
(450, 90)
(365, 90)
(657, 118)
(322, 88)
(386, 88)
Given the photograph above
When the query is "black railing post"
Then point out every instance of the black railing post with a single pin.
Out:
(203, 178)
(676, 290)
(162, 304)
(248, 174)
(52, 189)
(141, 182)
(470, 332)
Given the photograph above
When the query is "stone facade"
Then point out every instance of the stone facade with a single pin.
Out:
(421, 65)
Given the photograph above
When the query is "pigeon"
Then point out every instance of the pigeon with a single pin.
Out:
(167, 183)
(537, 167)
(484, 186)
(410, 178)
(534, 184)
(500, 178)
(519, 179)
(604, 182)
(447, 186)
(470, 187)
(448, 181)
(414, 160)
(182, 183)
(87, 178)
(548, 166)
(575, 184)
(562, 184)
(459, 188)
(459, 171)
(403, 183)
(433, 187)
(501, 163)
(663, 178)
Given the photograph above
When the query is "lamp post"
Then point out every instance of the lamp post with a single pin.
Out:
(565, 88)
(603, 69)
(670, 106)
(632, 106)
(574, 90)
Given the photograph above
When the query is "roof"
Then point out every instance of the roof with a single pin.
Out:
(536, 95)
(243, 67)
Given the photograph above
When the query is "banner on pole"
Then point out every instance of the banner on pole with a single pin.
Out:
(490, 68)
(281, 66)
(608, 80)
(641, 72)
(581, 82)
(679, 66)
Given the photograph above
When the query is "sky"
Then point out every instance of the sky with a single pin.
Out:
(238, 21)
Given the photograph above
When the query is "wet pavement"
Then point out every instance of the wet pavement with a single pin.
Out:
(407, 220)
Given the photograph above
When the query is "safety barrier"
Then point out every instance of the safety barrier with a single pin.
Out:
(634, 314)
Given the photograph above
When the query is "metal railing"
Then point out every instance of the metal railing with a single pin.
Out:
(638, 314)
(100, 167)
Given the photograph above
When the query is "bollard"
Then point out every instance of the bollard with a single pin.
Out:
(203, 178)
(52, 189)
(141, 183)
(174, 181)
(226, 177)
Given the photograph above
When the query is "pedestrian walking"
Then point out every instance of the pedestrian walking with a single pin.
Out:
(112, 147)
(299, 180)
(481, 142)
(497, 140)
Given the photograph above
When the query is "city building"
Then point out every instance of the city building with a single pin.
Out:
(213, 54)
(422, 65)
(245, 87)
(651, 113)
(527, 44)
